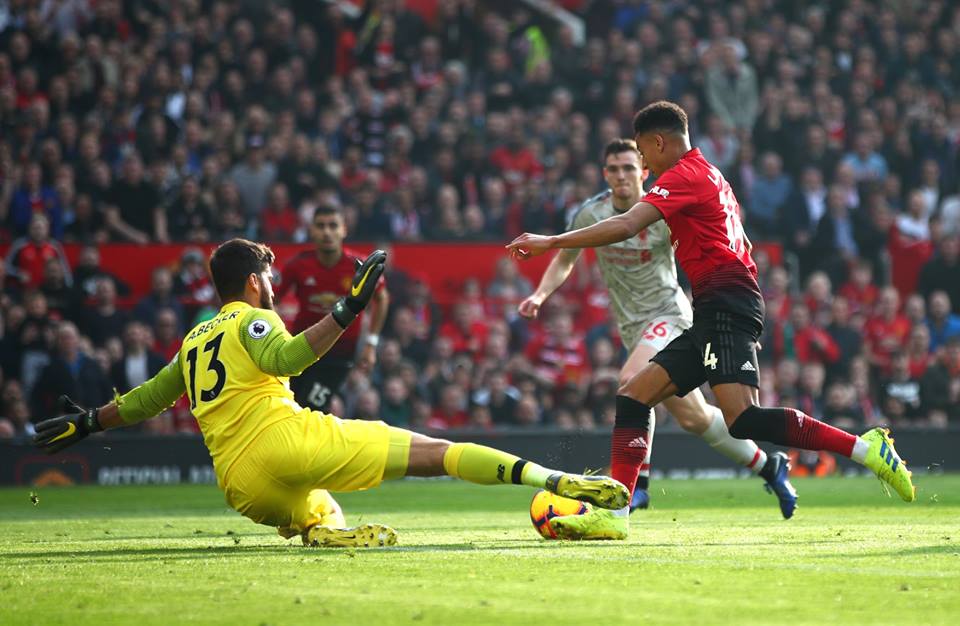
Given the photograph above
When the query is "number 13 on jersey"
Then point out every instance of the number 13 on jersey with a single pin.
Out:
(215, 368)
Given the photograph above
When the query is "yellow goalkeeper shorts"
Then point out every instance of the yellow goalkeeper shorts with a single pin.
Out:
(271, 480)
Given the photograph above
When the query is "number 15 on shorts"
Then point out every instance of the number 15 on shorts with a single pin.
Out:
(709, 358)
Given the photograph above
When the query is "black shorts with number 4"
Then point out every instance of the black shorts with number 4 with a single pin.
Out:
(720, 347)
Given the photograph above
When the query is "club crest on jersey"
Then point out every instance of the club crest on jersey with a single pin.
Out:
(258, 329)
(660, 191)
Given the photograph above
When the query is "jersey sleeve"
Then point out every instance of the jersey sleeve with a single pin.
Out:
(274, 350)
(672, 194)
(154, 396)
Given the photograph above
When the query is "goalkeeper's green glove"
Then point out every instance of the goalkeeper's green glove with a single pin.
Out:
(57, 433)
(361, 289)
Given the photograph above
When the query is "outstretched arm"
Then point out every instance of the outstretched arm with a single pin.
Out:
(611, 230)
(141, 403)
(276, 352)
(557, 272)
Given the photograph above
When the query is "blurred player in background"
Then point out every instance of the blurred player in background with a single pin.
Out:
(720, 348)
(318, 277)
(274, 459)
(651, 311)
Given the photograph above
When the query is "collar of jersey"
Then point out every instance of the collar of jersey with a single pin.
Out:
(236, 305)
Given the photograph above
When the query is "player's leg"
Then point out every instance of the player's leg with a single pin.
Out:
(675, 369)
(736, 390)
(695, 415)
(643, 350)
(692, 413)
(484, 465)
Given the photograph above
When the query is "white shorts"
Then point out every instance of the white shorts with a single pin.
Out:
(657, 333)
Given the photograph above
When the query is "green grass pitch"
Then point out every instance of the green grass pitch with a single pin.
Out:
(709, 552)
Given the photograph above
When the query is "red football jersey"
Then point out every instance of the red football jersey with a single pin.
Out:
(317, 289)
(704, 219)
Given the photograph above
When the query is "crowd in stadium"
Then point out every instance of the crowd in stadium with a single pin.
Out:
(837, 123)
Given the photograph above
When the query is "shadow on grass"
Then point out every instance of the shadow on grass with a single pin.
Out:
(943, 549)
(293, 549)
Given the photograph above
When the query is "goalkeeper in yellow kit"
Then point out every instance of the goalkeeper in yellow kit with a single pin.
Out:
(275, 460)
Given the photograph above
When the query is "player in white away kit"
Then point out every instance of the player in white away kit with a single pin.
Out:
(651, 311)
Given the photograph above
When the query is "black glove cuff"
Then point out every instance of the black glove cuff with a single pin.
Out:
(342, 313)
(90, 421)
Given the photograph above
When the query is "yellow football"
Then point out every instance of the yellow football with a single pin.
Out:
(545, 506)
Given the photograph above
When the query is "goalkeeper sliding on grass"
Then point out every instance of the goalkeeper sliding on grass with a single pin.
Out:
(275, 460)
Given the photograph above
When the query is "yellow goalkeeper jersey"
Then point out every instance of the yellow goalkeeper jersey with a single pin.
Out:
(234, 369)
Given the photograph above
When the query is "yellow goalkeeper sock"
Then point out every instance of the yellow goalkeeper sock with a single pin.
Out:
(488, 466)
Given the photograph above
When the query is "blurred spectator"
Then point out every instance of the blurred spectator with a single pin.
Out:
(558, 354)
(253, 176)
(167, 334)
(499, 397)
(943, 324)
(160, 298)
(801, 216)
(396, 408)
(466, 331)
(104, 319)
(134, 212)
(28, 256)
(940, 273)
(508, 281)
(768, 195)
(885, 332)
(900, 392)
(56, 289)
(190, 218)
(940, 386)
(868, 164)
(861, 290)
(720, 145)
(139, 362)
(278, 220)
(191, 283)
(34, 198)
(834, 244)
(451, 409)
(731, 89)
(844, 334)
(88, 273)
(71, 372)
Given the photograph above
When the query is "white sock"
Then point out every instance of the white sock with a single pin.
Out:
(743, 451)
(624, 512)
(860, 448)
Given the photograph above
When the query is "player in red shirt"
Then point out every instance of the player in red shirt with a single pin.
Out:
(720, 348)
(319, 277)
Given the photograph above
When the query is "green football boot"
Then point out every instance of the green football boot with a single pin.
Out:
(601, 491)
(363, 536)
(595, 524)
(884, 461)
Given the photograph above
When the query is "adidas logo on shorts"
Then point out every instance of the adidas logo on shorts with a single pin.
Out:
(748, 367)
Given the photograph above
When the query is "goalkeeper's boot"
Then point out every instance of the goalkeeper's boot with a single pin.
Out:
(363, 536)
(640, 499)
(601, 491)
(883, 460)
(594, 524)
(780, 485)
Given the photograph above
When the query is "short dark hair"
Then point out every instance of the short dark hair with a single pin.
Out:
(233, 262)
(326, 209)
(618, 145)
(660, 116)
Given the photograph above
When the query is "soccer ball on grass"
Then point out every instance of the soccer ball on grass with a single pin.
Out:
(545, 506)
